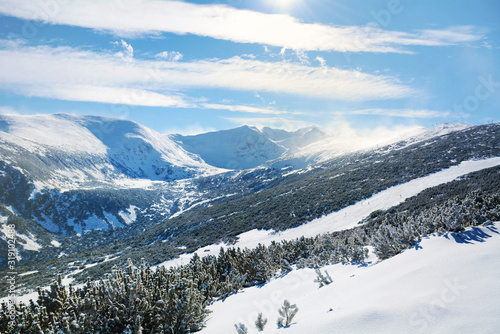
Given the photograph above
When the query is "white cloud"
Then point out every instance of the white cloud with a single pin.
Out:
(284, 77)
(248, 109)
(103, 94)
(129, 17)
(7, 110)
(65, 71)
(170, 55)
(321, 60)
(370, 137)
(303, 57)
(452, 35)
(128, 50)
(408, 113)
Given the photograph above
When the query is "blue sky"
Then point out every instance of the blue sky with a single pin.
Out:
(196, 66)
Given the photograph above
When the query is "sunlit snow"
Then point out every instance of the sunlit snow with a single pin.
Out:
(446, 284)
(350, 216)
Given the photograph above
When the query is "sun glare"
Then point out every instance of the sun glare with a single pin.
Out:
(284, 4)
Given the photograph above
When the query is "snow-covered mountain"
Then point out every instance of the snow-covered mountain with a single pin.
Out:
(74, 174)
(327, 147)
(248, 147)
(294, 141)
(74, 151)
(240, 148)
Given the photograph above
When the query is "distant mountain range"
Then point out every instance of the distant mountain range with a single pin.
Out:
(62, 175)
(69, 151)
(248, 147)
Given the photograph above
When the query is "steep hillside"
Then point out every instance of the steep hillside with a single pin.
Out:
(447, 284)
(149, 299)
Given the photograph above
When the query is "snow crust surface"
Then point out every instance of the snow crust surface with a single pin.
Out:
(446, 284)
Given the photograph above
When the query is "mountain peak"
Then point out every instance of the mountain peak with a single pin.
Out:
(246, 146)
(239, 148)
(90, 148)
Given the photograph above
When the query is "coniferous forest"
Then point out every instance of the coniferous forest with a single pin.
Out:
(141, 299)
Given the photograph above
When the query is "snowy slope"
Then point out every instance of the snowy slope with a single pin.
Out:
(140, 152)
(448, 284)
(77, 149)
(349, 141)
(350, 216)
(73, 174)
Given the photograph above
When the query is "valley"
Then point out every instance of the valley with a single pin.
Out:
(83, 214)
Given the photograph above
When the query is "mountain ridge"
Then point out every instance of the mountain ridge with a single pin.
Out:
(158, 220)
(247, 146)
(91, 180)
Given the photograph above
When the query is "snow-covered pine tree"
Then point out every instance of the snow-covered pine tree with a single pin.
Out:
(287, 313)
(241, 328)
(261, 322)
(322, 279)
(385, 243)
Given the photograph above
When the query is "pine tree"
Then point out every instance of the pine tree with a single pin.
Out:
(287, 313)
(321, 279)
(261, 322)
(241, 328)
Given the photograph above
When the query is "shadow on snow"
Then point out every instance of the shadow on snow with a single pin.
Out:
(475, 234)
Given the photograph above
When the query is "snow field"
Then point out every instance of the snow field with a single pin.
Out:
(447, 284)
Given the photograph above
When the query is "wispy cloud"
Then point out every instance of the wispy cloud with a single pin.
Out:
(128, 50)
(7, 110)
(103, 94)
(72, 74)
(348, 136)
(248, 109)
(129, 17)
(321, 60)
(453, 35)
(407, 113)
(170, 55)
